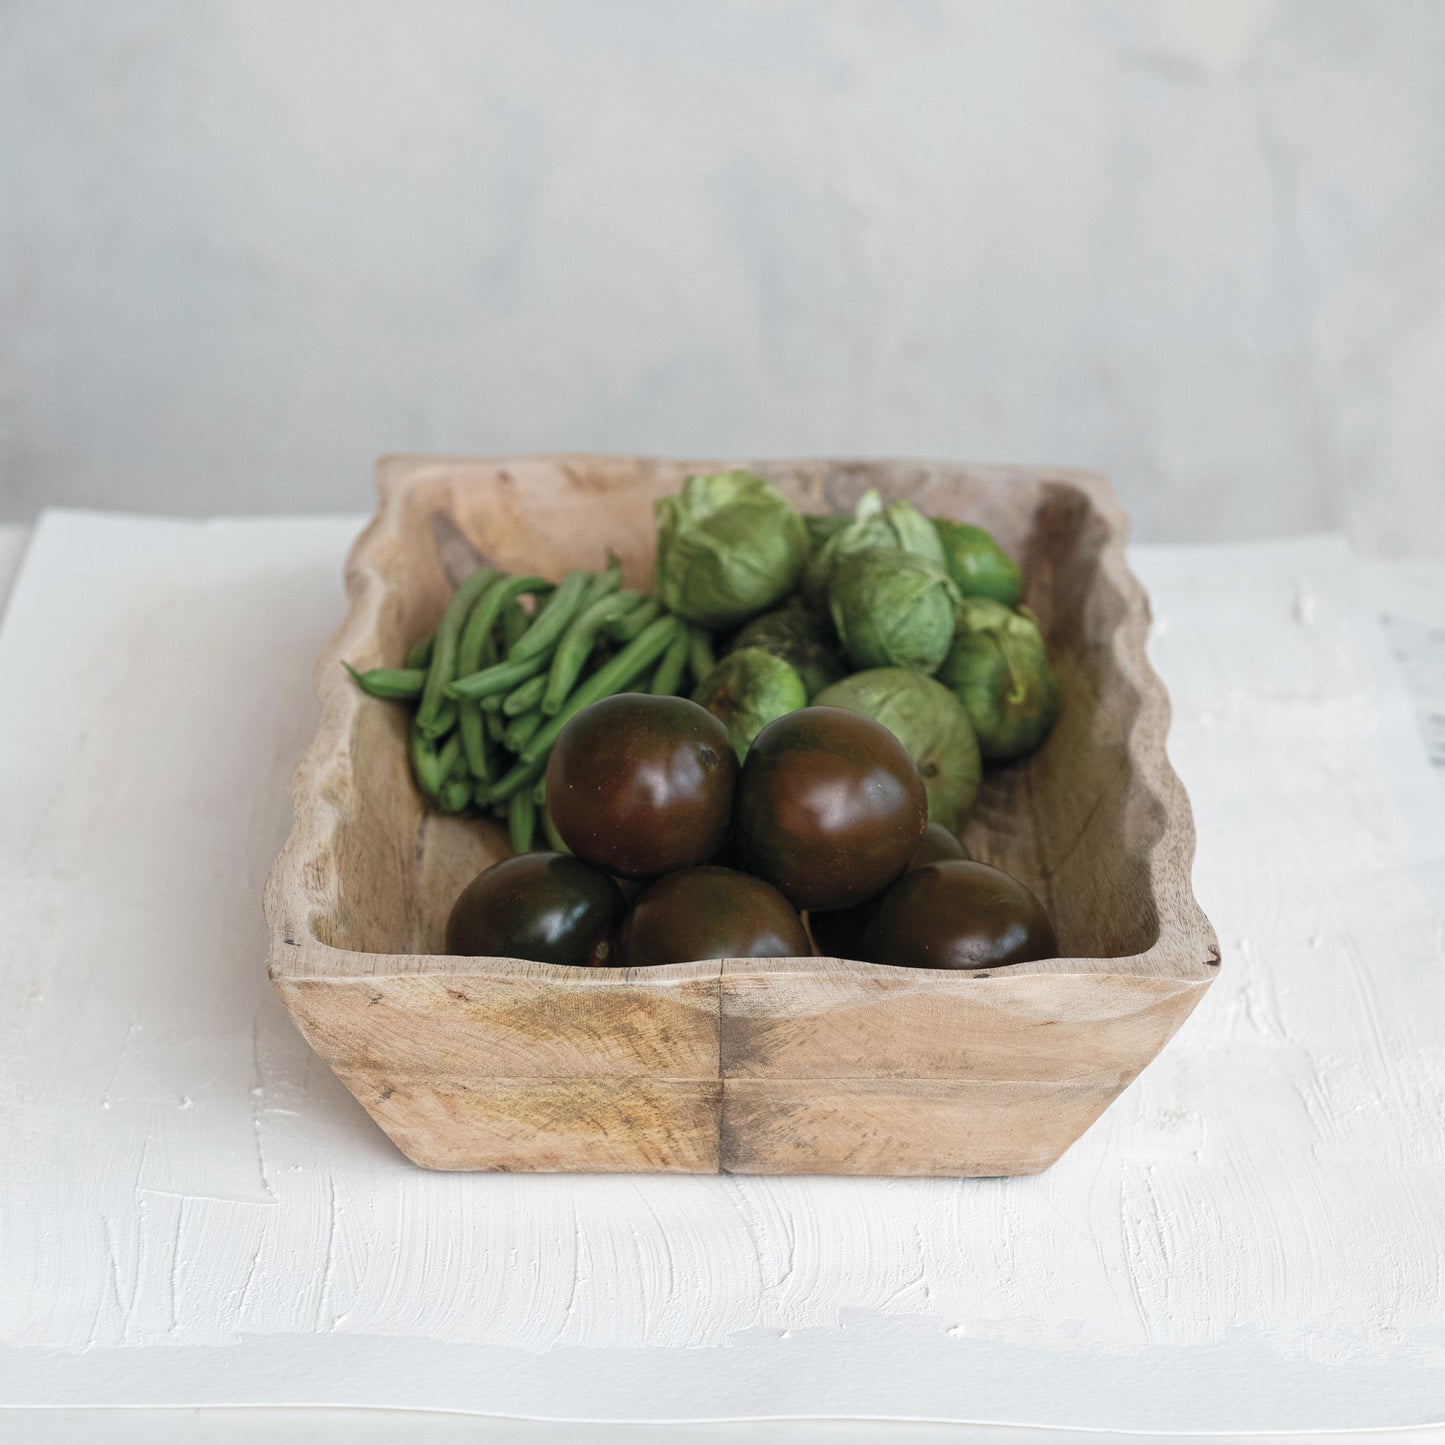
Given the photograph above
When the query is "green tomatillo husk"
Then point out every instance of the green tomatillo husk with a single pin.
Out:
(892, 609)
(729, 546)
(998, 668)
(821, 528)
(747, 690)
(899, 524)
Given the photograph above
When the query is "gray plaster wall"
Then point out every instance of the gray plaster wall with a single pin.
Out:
(246, 245)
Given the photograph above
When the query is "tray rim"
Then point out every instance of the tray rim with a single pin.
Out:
(1186, 950)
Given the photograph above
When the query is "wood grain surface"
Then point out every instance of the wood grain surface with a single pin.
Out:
(754, 1066)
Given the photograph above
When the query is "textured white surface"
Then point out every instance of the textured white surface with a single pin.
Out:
(1409, 598)
(1250, 1238)
(247, 245)
(315, 1426)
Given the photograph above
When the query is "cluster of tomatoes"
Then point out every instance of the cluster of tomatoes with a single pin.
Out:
(678, 852)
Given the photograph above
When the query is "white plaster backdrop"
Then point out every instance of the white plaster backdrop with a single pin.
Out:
(246, 246)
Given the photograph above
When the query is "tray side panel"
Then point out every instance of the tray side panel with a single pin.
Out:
(954, 1127)
(566, 1125)
(477, 1026)
(906, 1023)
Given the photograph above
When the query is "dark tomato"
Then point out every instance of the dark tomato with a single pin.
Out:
(542, 906)
(958, 914)
(630, 888)
(829, 806)
(642, 785)
(839, 932)
(936, 844)
(712, 913)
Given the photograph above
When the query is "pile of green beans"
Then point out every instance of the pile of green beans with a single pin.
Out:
(496, 682)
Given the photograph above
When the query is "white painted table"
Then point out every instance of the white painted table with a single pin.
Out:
(194, 1212)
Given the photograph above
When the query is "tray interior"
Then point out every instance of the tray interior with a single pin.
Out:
(1074, 820)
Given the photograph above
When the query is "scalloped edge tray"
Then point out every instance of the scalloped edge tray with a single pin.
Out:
(770, 1066)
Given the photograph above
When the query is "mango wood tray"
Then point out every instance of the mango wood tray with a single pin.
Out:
(762, 1066)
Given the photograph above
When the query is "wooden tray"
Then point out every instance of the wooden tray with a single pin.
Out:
(761, 1066)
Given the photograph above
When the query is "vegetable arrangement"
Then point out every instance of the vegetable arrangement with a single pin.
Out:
(914, 625)
(826, 816)
(913, 621)
(496, 683)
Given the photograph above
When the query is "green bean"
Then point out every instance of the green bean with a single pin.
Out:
(388, 682)
(474, 740)
(474, 646)
(559, 844)
(483, 622)
(501, 677)
(480, 622)
(515, 621)
(604, 582)
(520, 731)
(626, 627)
(456, 794)
(444, 650)
(668, 677)
(419, 653)
(424, 764)
(521, 822)
(523, 775)
(539, 791)
(450, 762)
(476, 633)
(446, 719)
(525, 698)
(613, 676)
(551, 618)
(700, 659)
(576, 647)
(495, 725)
